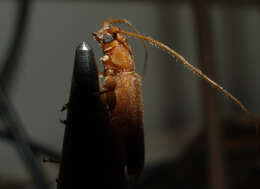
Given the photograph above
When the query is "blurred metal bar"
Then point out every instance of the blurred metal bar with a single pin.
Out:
(9, 63)
(38, 149)
(217, 176)
(224, 2)
(15, 129)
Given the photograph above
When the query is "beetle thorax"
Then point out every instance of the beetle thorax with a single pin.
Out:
(118, 58)
(117, 52)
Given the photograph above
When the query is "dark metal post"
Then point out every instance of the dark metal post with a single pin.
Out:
(216, 169)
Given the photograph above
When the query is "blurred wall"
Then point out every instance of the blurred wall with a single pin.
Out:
(172, 101)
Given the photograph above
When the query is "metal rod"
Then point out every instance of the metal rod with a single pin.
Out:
(217, 176)
(9, 63)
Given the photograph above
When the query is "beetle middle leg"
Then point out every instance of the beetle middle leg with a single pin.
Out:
(107, 92)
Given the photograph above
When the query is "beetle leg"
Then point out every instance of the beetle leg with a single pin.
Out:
(102, 91)
(108, 97)
(107, 87)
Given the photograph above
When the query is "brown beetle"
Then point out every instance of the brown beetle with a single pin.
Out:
(123, 96)
(122, 90)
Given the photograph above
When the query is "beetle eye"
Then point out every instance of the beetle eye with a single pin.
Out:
(108, 38)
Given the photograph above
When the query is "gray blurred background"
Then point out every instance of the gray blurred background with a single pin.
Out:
(173, 100)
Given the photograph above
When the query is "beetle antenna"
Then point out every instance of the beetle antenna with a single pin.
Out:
(197, 72)
(113, 21)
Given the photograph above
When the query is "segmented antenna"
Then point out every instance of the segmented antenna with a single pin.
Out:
(197, 72)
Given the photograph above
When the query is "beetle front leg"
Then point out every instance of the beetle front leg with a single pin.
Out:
(107, 92)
